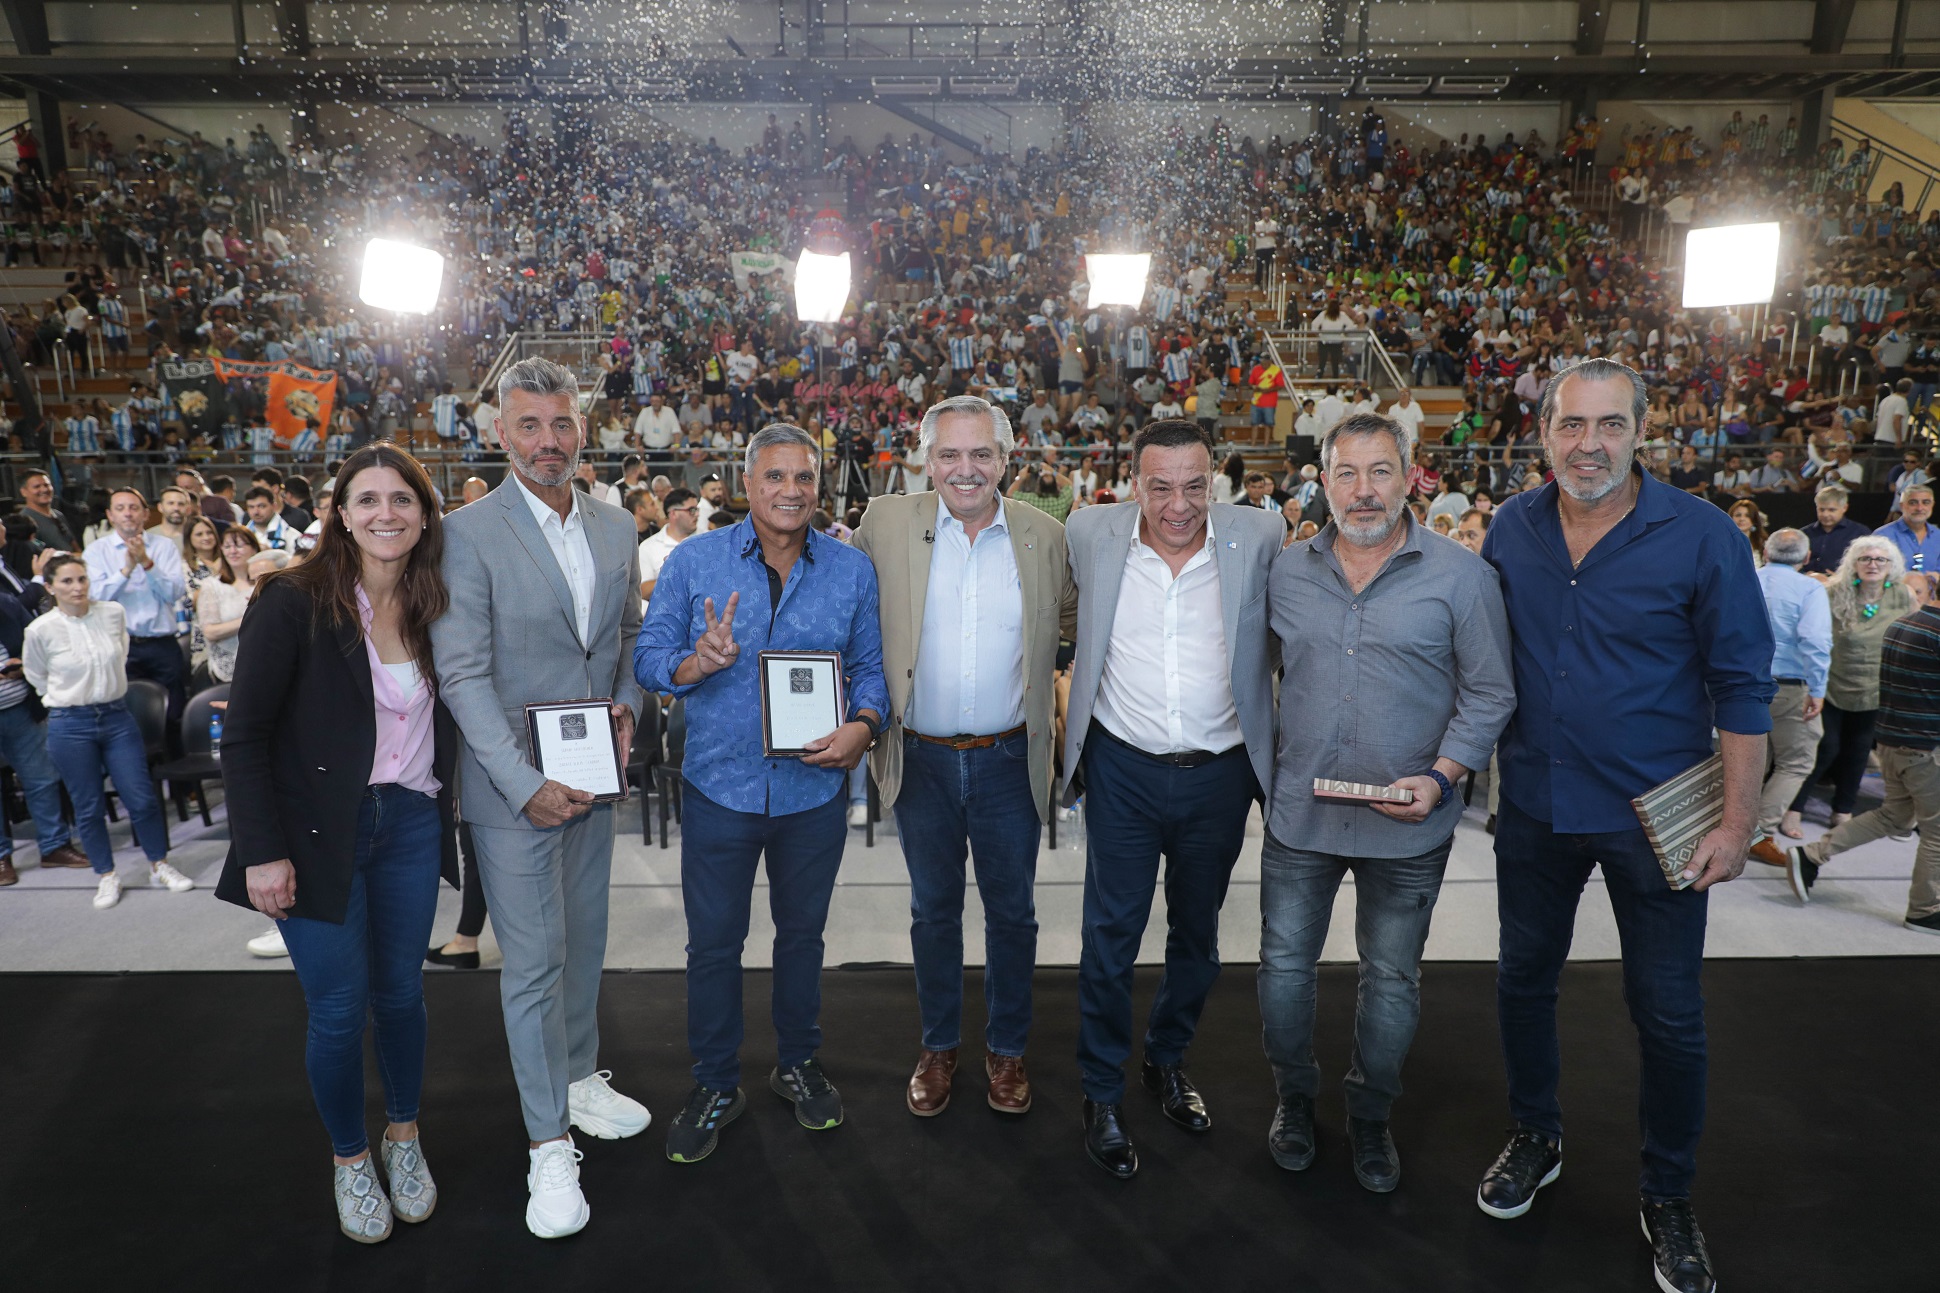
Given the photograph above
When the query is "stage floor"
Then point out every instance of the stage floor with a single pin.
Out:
(162, 1137)
(47, 921)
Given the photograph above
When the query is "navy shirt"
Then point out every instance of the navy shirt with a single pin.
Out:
(827, 604)
(1624, 665)
(1829, 546)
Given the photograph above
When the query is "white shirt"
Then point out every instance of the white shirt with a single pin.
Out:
(657, 428)
(1410, 416)
(1167, 685)
(916, 477)
(1889, 420)
(570, 548)
(653, 552)
(970, 659)
(78, 659)
(1330, 409)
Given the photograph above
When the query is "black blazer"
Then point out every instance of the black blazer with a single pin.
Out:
(18, 608)
(297, 745)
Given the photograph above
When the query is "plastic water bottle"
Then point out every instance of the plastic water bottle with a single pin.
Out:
(215, 732)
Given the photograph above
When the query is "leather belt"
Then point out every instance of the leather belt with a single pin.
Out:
(1789, 682)
(967, 742)
(1180, 759)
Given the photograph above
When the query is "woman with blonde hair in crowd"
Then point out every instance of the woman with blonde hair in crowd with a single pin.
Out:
(1868, 592)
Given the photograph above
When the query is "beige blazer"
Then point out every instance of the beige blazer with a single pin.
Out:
(893, 534)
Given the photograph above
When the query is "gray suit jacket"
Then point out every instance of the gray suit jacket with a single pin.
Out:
(510, 638)
(1247, 540)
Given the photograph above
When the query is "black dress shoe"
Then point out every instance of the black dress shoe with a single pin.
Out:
(1178, 1098)
(1677, 1251)
(1291, 1137)
(1377, 1166)
(456, 960)
(1526, 1164)
(1107, 1143)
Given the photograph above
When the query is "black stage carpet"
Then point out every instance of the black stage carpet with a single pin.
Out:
(159, 1135)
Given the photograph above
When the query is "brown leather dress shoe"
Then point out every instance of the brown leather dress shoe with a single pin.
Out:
(1010, 1085)
(65, 855)
(1768, 852)
(929, 1085)
(7, 874)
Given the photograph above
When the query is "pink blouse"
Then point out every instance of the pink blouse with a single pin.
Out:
(404, 737)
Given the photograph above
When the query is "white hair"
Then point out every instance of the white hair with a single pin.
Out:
(538, 375)
(999, 421)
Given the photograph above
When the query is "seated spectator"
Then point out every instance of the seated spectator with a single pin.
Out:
(220, 603)
(1775, 477)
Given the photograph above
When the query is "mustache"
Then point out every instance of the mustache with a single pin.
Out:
(1594, 457)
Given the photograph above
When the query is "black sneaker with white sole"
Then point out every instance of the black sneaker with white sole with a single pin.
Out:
(818, 1105)
(1925, 924)
(1801, 872)
(696, 1129)
(1678, 1256)
(1526, 1164)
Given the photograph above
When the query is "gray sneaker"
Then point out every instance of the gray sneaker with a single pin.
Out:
(818, 1105)
(363, 1213)
(413, 1193)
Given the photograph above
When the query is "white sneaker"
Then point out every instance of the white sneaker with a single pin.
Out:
(598, 1110)
(164, 876)
(858, 815)
(108, 892)
(268, 945)
(557, 1208)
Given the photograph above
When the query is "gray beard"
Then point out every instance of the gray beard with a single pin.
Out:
(531, 473)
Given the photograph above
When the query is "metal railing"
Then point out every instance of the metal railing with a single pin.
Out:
(1356, 355)
(1882, 152)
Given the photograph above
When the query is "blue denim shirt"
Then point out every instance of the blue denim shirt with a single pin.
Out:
(1625, 664)
(828, 604)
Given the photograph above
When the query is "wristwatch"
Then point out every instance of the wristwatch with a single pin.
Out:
(1448, 790)
(875, 728)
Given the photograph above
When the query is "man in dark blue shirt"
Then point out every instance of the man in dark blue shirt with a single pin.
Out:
(770, 582)
(1834, 532)
(1639, 627)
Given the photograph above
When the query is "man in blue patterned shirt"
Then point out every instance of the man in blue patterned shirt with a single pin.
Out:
(770, 582)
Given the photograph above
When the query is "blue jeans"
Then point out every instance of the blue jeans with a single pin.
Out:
(23, 743)
(86, 741)
(1137, 809)
(1394, 899)
(1540, 875)
(953, 802)
(370, 969)
(719, 849)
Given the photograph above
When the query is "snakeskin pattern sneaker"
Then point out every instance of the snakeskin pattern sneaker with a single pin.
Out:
(413, 1194)
(363, 1213)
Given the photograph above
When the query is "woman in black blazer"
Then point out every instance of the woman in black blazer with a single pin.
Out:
(337, 767)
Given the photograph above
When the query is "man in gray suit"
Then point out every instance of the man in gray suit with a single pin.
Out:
(545, 606)
(1169, 735)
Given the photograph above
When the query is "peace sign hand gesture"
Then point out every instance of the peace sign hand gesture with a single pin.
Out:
(717, 649)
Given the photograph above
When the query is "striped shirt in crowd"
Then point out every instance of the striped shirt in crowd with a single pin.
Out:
(963, 353)
(1872, 300)
(83, 436)
(444, 416)
(114, 317)
(1909, 682)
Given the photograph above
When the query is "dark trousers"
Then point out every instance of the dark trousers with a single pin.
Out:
(1540, 875)
(160, 660)
(368, 972)
(471, 910)
(954, 802)
(719, 850)
(1137, 810)
(1843, 748)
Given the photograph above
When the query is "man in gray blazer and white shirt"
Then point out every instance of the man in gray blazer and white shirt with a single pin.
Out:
(1169, 735)
(545, 606)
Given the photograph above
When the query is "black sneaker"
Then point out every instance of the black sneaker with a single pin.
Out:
(818, 1105)
(1291, 1137)
(1526, 1164)
(1801, 873)
(1377, 1164)
(1925, 924)
(1678, 1256)
(696, 1129)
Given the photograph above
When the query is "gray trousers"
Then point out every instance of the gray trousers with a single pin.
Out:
(546, 890)
(1794, 746)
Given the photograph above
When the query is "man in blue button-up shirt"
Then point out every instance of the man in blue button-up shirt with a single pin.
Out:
(1801, 616)
(770, 582)
(148, 581)
(1638, 628)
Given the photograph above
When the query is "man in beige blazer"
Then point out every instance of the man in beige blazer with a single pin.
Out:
(976, 594)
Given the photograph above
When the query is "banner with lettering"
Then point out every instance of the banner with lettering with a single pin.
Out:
(197, 397)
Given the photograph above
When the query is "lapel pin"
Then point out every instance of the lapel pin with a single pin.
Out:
(1231, 543)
